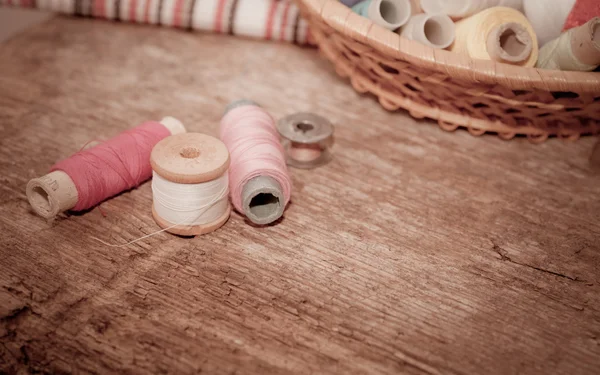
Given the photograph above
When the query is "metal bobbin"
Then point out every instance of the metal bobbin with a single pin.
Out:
(307, 138)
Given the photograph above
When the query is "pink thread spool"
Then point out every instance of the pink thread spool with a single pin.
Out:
(258, 177)
(71, 184)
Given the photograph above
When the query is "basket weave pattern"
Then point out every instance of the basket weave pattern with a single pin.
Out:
(482, 96)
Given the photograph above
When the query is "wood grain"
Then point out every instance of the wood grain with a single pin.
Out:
(414, 251)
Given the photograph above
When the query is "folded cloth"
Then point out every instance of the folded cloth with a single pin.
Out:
(583, 11)
(277, 20)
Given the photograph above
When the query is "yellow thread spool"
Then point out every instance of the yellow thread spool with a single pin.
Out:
(501, 34)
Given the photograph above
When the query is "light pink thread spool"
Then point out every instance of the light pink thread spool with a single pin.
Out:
(259, 181)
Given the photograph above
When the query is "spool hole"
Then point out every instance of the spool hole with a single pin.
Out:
(39, 198)
(189, 153)
(264, 205)
(434, 32)
(511, 44)
(304, 127)
(389, 12)
(596, 33)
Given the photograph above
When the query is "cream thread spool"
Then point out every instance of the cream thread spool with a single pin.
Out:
(465, 8)
(390, 14)
(306, 138)
(262, 196)
(577, 49)
(55, 192)
(190, 165)
(434, 30)
(500, 34)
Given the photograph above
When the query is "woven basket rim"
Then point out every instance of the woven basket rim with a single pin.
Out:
(344, 20)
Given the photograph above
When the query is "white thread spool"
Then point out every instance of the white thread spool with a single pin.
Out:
(190, 184)
(547, 17)
(434, 30)
(465, 8)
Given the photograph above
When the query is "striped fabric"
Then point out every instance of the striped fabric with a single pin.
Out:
(277, 20)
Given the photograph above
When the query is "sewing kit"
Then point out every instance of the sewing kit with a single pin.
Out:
(196, 178)
(512, 67)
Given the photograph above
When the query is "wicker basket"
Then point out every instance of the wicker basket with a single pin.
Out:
(483, 96)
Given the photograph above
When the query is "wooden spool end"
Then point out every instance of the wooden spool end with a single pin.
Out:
(191, 158)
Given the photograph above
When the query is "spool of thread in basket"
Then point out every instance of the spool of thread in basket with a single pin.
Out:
(259, 180)
(390, 14)
(465, 8)
(98, 173)
(577, 49)
(434, 30)
(550, 18)
(190, 184)
(500, 34)
(547, 17)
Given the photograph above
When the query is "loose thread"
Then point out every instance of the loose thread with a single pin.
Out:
(222, 194)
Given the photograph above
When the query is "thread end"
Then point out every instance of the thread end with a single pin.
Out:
(510, 42)
(262, 200)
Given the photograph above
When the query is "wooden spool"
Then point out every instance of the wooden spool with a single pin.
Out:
(191, 158)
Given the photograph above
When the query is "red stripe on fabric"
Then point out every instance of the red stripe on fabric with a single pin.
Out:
(583, 11)
(147, 11)
(132, 10)
(99, 8)
(270, 18)
(177, 13)
(284, 21)
(219, 16)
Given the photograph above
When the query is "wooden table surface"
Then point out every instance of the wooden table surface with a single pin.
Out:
(414, 251)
